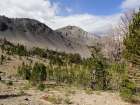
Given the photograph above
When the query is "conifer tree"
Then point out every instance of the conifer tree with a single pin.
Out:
(38, 74)
(132, 41)
(24, 71)
(99, 67)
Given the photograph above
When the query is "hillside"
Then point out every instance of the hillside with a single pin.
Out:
(33, 33)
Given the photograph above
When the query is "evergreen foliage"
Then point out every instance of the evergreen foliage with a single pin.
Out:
(100, 66)
(126, 94)
(38, 74)
(74, 58)
(25, 71)
(132, 41)
(116, 74)
(1, 59)
(40, 52)
(132, 54)
(41, 87)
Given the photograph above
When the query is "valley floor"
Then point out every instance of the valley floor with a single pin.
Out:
(14, 95)
(20, 93)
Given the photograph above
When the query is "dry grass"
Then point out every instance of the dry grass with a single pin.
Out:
(21, 93)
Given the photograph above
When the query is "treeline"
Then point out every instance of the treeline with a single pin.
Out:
(12, 49)
(77, 71)
(55, 57)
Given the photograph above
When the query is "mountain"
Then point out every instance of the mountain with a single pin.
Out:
(33, 33)
(78, 35)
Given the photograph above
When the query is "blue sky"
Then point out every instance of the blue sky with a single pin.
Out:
(95, 7)
(94, 16)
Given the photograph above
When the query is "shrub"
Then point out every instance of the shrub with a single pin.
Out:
(126, 94)
(9, 83)
(41, 87)
(130, 85)
(88, 91)
(26, 87)
(53, 100)
(21, 92)
(67, 101)
(70, 92)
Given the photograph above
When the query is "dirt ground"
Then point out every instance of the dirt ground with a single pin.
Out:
(21, 93)
(16, 95)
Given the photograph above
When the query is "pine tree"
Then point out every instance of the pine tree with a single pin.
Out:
(24, 71)
(38, 74)
(99, 70)
(132, 41)
(1, 59)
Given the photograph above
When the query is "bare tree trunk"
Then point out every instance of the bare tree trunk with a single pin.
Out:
(93, 80)
(117, 34)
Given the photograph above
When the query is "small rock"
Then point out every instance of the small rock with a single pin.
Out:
(26, 99)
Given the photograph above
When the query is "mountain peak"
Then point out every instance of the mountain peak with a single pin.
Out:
(78, 35)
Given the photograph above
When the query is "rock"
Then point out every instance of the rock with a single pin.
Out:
(26, 99)
(3, 26)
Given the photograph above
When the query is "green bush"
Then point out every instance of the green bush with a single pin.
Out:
(126, 94)
(41, 87)
(9, 83)
(26, 87)
(88, 91)
(130, 85)
(70, 92)
(67, 101)
(21, 92)
(53, 100)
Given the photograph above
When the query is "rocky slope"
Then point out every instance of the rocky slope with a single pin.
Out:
(32, 33)
(78, 35)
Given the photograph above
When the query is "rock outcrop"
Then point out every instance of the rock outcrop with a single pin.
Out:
(78, 35)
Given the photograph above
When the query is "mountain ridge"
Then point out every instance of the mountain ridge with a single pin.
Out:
(78, 35)
(33, 33)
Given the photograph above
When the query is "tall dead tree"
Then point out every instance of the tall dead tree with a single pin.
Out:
(117, 34)
(125, 21)
(113, 43)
